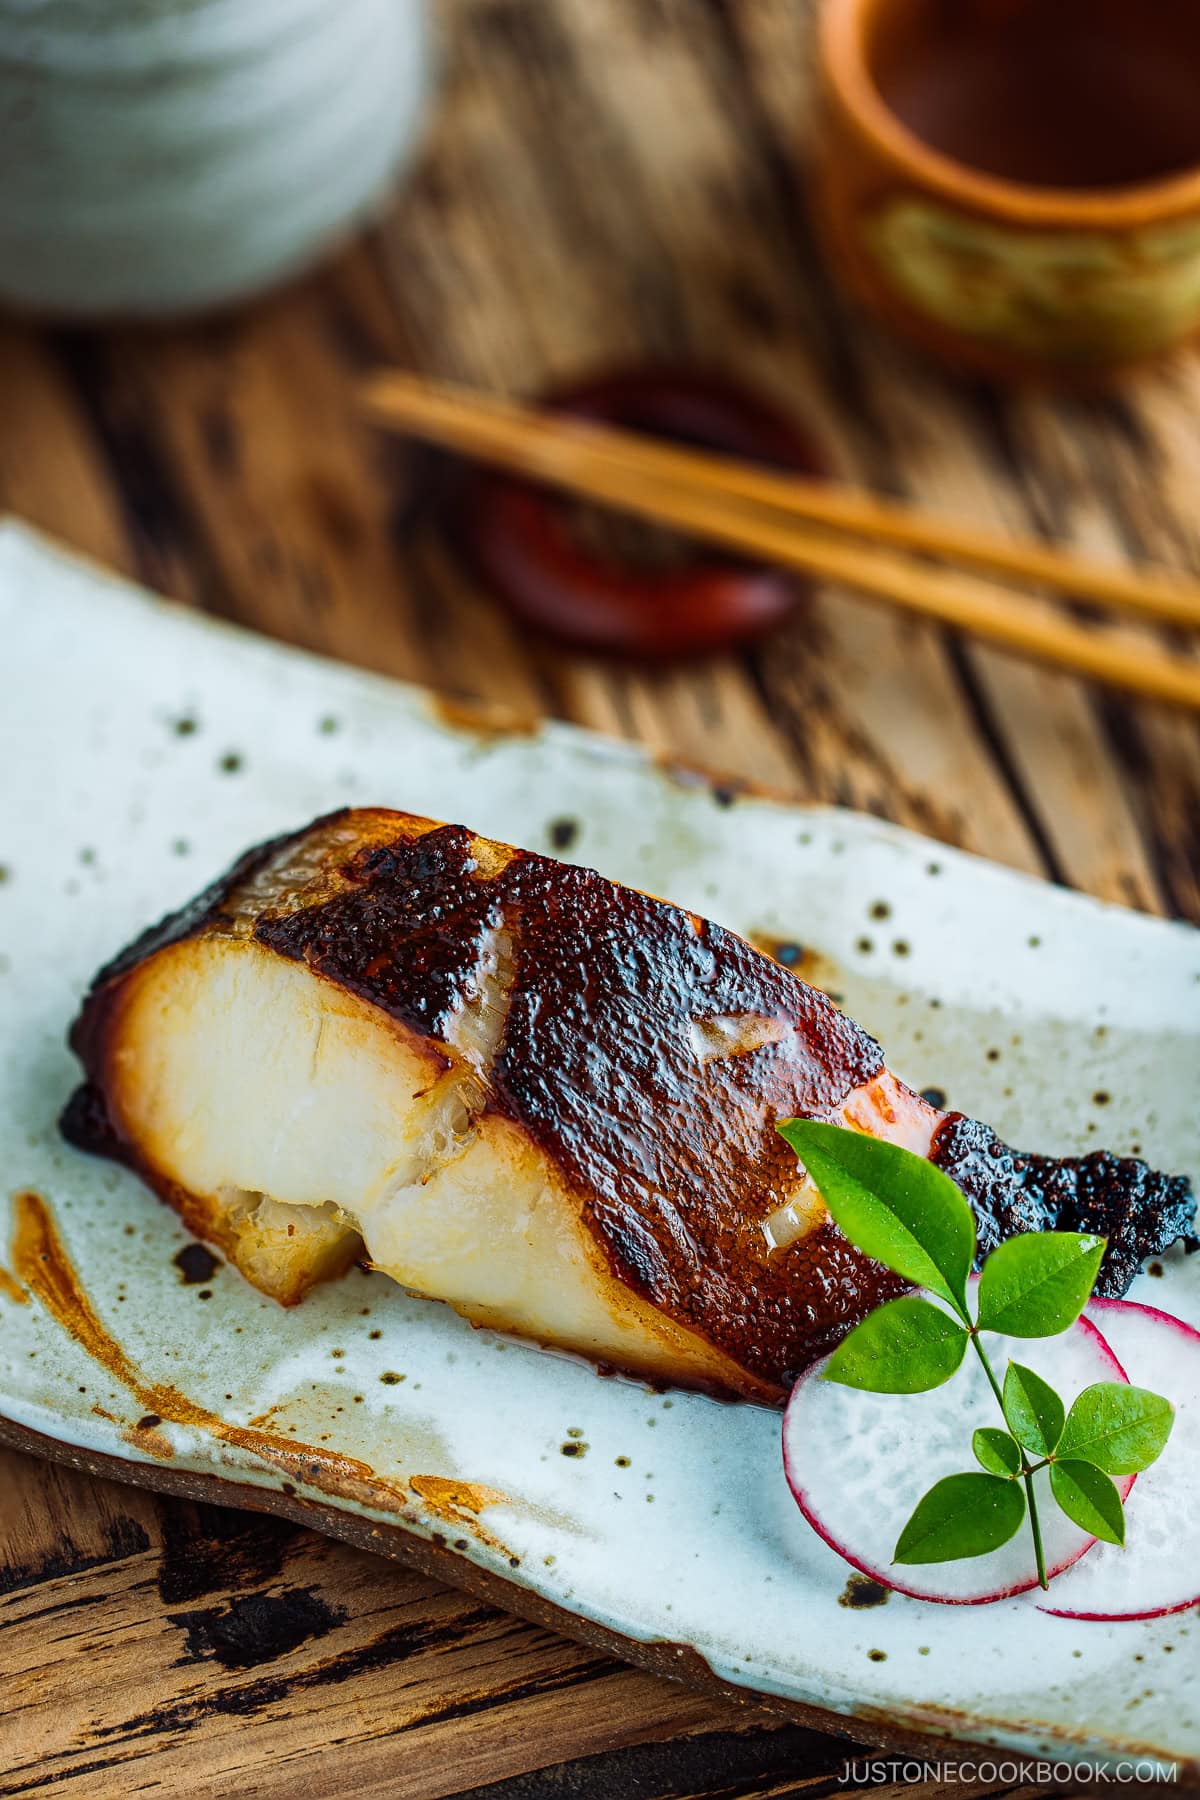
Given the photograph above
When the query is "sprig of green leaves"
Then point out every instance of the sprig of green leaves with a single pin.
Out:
(905, 1213)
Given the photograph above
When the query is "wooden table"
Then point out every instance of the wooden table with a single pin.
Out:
(605, 180)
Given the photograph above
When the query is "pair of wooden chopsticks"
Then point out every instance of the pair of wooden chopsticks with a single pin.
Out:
(835, 534)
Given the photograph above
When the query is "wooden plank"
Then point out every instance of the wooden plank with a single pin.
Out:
(52, 472)
(554, 272)
(55, 1524)
(1110, 472)
(205, 1649)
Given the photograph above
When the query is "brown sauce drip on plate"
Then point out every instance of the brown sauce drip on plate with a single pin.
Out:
(484, 718)
(12, 1290)
(460, 1503)
(41, 1261)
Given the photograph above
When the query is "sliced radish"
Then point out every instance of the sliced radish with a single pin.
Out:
(1158, 1571)
(857, 1464)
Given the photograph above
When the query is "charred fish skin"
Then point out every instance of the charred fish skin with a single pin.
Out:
(674, 1159)
(1139, 1210)
(668, 1148)
(622, 1059)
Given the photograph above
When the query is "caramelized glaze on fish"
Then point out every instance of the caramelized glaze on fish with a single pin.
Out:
(517, 1087)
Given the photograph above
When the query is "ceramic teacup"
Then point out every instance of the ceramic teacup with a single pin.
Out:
(1016, 183)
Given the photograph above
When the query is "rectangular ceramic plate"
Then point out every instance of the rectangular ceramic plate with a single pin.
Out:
(142, 748)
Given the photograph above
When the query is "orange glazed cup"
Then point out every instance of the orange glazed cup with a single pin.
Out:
(1015, 184)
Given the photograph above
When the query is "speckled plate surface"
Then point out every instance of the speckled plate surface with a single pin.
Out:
(142, 747)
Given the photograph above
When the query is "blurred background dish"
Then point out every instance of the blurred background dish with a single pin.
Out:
(638, 591)
(165, 158)
(1016, 183)
(788, 520)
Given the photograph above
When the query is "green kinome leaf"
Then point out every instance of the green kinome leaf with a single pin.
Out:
(964, 1515)
(905, 1347)
(1037, 1284)
(1090, 1498)
(1120, 1429)
(893, 1205)
(996, 1451)
(1034, 1411)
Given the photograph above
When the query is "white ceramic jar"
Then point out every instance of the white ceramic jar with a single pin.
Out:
(160, 156)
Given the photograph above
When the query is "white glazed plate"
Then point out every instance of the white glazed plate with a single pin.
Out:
(142, 748)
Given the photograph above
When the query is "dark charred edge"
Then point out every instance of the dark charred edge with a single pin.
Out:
(1139, 1210)
(673, 1661)
(85, 1124)
(713, 1765)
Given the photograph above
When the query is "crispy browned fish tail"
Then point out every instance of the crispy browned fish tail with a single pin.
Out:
(517, 1087)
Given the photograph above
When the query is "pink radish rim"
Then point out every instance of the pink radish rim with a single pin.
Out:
(887, 1580)
(1123, 1618)
(1154, 1612)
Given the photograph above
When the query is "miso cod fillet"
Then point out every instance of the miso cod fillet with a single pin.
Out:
(521, 1089)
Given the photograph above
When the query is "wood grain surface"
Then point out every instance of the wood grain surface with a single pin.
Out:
(604, 181)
